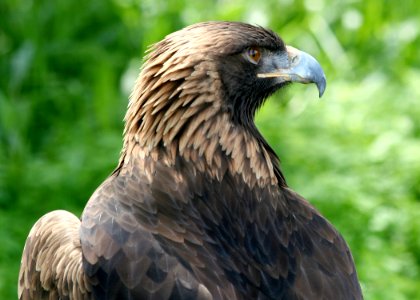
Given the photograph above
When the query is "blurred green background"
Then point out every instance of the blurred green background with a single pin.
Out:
(67, 67)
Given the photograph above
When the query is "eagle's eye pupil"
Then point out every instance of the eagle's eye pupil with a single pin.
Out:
(254, 54)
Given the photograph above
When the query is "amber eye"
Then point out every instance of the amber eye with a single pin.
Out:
(254, 54)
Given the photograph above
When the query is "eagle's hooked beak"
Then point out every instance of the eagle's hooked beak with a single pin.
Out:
(299, 67)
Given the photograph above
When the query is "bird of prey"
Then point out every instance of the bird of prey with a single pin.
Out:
(197, 207)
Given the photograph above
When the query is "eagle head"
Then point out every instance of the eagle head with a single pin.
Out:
(203, 84)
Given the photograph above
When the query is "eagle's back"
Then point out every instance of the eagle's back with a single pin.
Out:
(167, 230)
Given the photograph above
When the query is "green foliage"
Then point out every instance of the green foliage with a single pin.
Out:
(67, 67)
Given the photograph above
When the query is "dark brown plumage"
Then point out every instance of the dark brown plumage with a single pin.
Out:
(197, 207)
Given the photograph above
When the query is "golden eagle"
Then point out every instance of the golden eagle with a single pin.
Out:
(198, 207)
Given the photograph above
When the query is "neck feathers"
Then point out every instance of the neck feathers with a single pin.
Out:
(176, 109)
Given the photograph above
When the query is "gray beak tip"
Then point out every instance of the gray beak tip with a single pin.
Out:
(321, 84)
